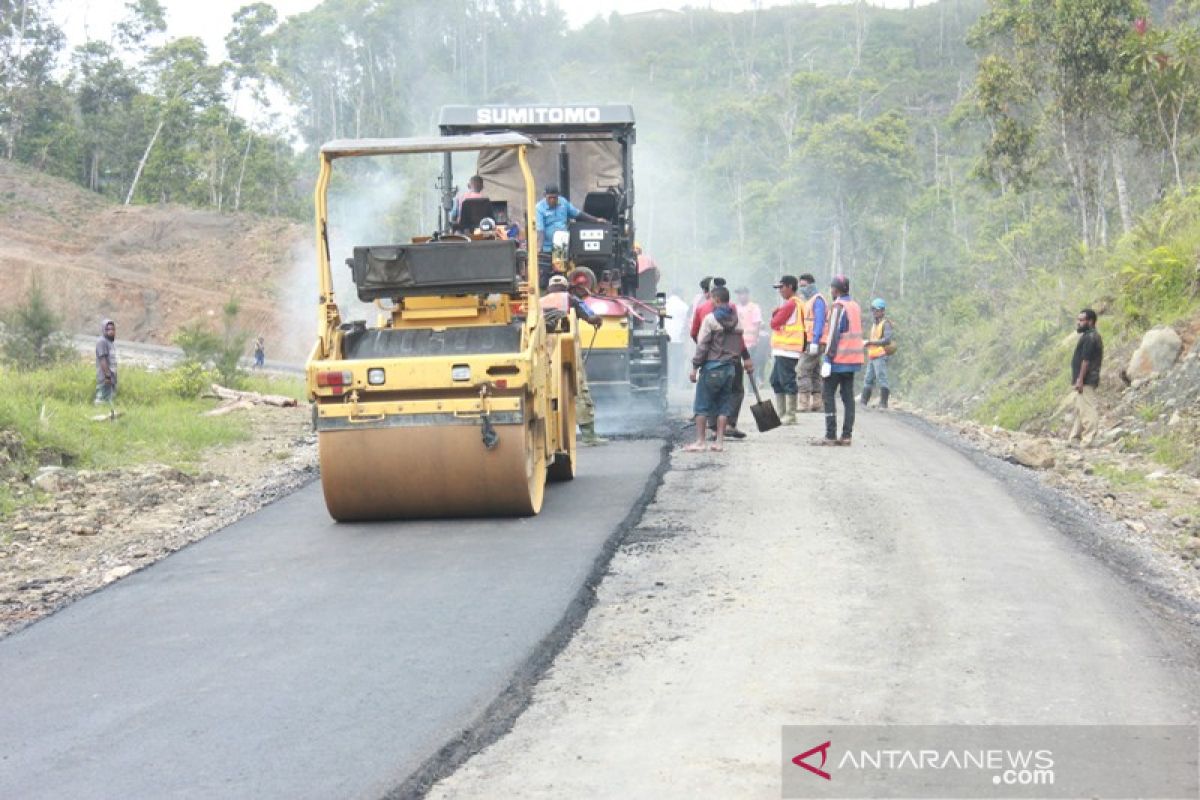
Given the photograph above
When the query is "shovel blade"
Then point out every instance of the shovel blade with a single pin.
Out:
(764, 416)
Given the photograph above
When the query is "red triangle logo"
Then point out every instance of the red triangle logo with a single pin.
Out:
(823, 749)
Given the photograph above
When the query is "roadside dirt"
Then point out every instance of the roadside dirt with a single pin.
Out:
(151, 268)
(93, 528)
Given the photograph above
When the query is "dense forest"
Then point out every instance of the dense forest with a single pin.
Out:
(987, 165)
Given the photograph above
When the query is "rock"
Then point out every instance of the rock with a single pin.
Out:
(1174, 420)
(1157, 475)
(1157, 352)
(1034, 453)
(50, 479)
(1182, 521)
(116, 573)
(1135, 525)
(1192, 545)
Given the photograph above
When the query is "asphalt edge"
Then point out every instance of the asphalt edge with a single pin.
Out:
(1091, 531)
(498, 718)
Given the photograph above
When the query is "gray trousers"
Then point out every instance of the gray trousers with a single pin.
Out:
(808, 376)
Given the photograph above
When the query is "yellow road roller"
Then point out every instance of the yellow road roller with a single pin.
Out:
(458, 400)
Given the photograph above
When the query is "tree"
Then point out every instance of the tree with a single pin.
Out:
(1054, 72)
(184, 85)
(1164, 67)
(219, 352)
(29, 47)
(33, 334)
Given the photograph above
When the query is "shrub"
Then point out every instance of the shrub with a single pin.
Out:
(188, 380)
(33, 334)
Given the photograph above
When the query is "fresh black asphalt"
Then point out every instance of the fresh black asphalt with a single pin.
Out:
(288, 656)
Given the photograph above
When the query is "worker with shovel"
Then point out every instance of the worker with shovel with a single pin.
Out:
(719, 348)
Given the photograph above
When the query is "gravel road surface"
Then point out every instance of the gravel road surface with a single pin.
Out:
(901, 580)
(290, 657)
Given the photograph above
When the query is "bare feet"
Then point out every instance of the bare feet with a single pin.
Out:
(694, 447)
(718, 446)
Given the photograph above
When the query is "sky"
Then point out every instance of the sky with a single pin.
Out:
(210, 19)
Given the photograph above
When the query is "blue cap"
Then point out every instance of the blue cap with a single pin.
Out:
(878, 303)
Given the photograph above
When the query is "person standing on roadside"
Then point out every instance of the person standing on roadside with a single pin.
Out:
(260, 353)
(719, 347)
(879, 349)
(808, 376)
(787, 346)
(1085, 377)
(106, 363)
(843, 358)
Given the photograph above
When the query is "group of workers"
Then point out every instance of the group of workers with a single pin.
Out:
(817, 347)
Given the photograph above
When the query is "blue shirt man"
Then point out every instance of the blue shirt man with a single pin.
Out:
(554, 213)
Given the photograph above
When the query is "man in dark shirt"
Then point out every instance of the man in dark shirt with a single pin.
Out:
(1085, 377)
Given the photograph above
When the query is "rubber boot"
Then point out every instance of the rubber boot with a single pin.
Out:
(781, 406)
(812, 402)
(883, 397)
(589, 435)
(789, 417)
(866, 397)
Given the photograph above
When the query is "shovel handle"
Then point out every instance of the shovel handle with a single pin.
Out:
(754, 386)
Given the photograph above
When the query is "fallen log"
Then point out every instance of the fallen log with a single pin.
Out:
(228, 407)
(255, 398)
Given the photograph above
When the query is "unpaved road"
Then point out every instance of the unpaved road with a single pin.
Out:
(897, 581)
(289, 657)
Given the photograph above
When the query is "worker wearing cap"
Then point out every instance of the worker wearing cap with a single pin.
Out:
(558, 299)
(879, 348)
(787, 346)
(844, 357)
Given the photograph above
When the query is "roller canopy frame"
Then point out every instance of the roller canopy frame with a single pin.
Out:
(342, 148)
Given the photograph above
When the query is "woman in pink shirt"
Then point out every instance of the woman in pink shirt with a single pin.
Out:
(750, 316)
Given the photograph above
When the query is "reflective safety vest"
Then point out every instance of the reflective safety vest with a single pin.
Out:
(810, 316)
(791, 336)
(556, 301)
(878, 350)
(850, 343)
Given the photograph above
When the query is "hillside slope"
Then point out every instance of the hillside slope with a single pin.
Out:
(1011, 368)
(151, 268)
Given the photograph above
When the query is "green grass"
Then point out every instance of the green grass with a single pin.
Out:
(1118, 477)
(52, 410)
(1148, 412)
(288, 387)
(1016, 407)
(1170, 451)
